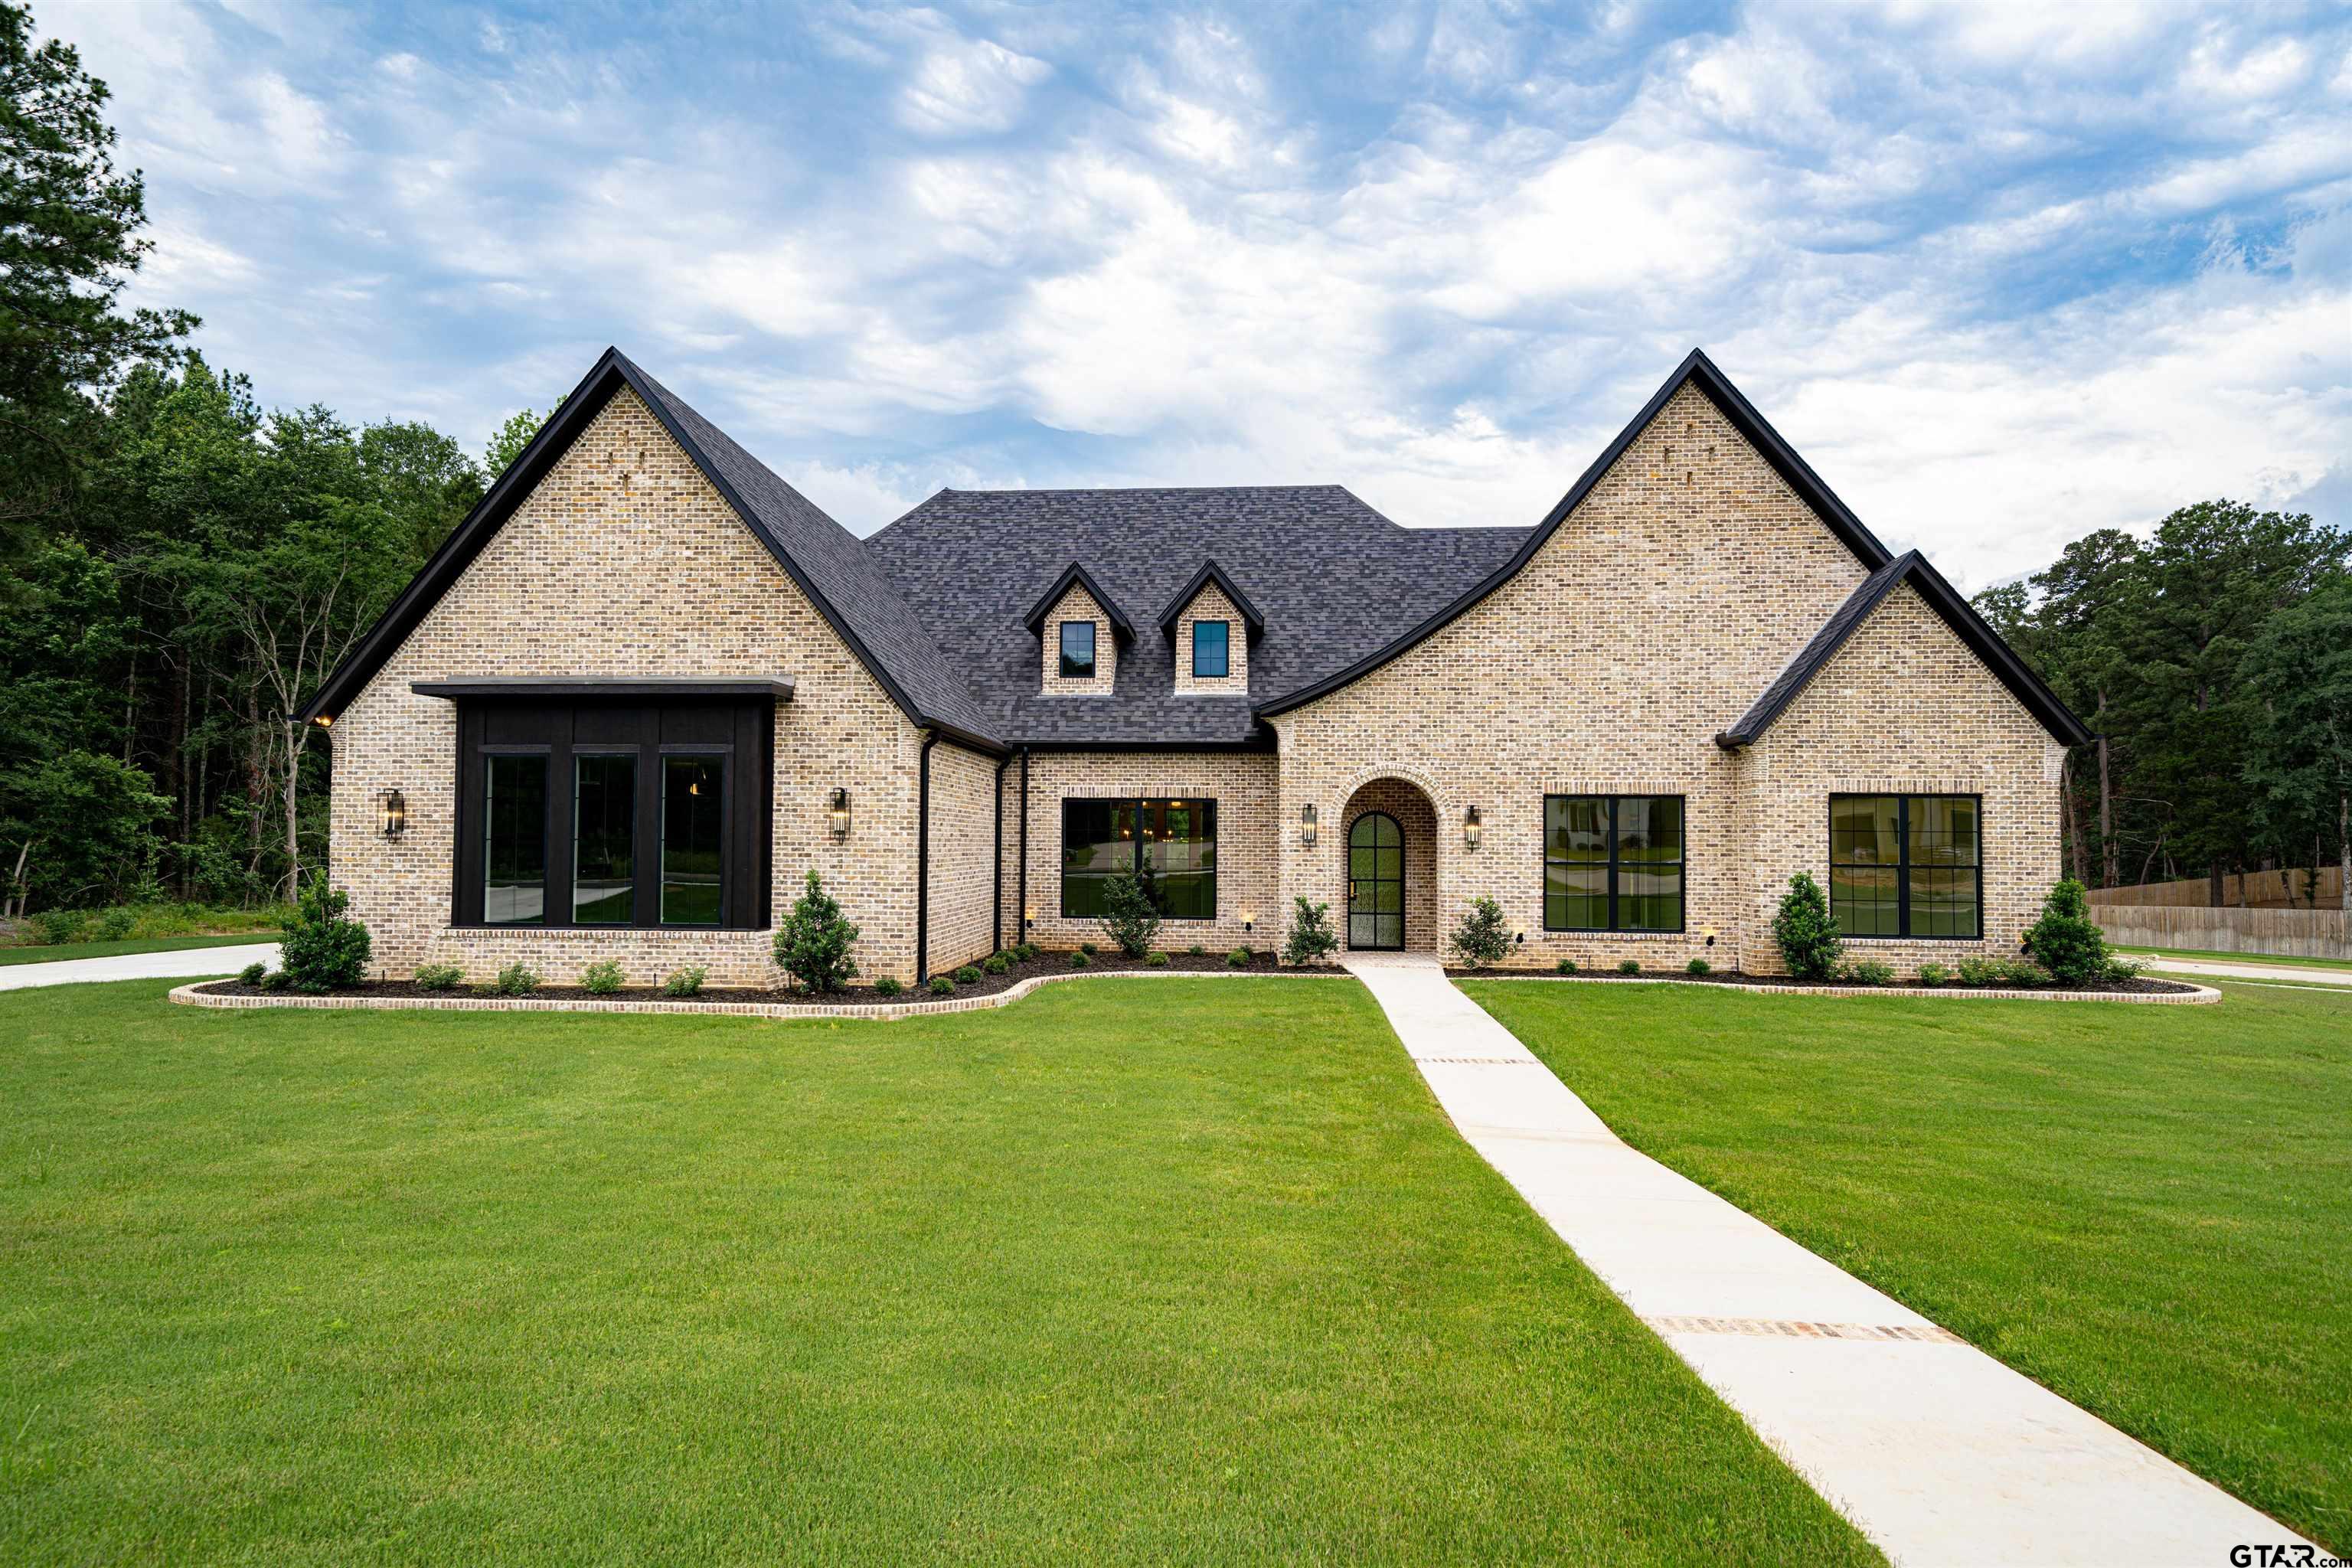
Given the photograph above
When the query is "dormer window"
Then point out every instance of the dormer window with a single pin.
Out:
(1212, 649)
(1077, 650)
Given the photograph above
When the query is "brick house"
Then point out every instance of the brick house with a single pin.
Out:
(646, 686)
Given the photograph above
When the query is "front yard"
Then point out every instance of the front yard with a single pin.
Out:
(1135, 1269)
(2148, 1208)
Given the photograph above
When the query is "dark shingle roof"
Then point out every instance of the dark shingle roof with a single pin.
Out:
(1331, 578)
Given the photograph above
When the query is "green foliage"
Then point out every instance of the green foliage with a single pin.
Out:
(2002, 973)
(1155, 960)
(685, 981)
(251, 974)
(322, 948)
(1079, 959)
(812, 945)
(995, 964)
(1866, 972)
(1629, 966)
(1238, 958)
(1698, 966)
(2120, 970)
(1807, 937)
(440, 977)
(1089, 949)
(1565, 966)
(603, 979)
(61, 925)
(1311, 937)
(516, 980)
(512, 437)
(967, 976)
(1480, 938)
(2066, 941)
(887, 986)
(115, 924)
(276, 979)
(1131, 916)
(77, 823)
(2300, 757)
(942, 986)
(1197, 951)
(1932, 974)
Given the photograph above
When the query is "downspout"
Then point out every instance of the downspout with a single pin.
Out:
(996, 901)
(923, 860)
(1023, 897)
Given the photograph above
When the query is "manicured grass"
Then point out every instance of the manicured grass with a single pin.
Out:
(2237, 957)
(57, 952)
(2149, 1209)
(1136, 1270)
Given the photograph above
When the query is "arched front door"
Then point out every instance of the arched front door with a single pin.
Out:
(1376, 883)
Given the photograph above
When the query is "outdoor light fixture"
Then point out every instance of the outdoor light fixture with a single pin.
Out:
(1028, 918)
(392, 807)
(323, 720)
(1521, 934)
(1471, 828)
(1307, 825)
(836, 808)
(1708, 932)
(1249, 920)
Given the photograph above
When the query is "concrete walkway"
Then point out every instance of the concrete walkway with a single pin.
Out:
(175, 964)
(2218, 968)
(1935, 1450)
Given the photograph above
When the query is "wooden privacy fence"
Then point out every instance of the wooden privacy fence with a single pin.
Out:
(2291, 933)
(2263, 889)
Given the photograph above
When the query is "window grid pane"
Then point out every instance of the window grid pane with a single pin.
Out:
(514, 849)
(1906, 864)
(1212, 656)
(1078, 650)
(693, 814)
(1613, 862)
(604, 838)
(1175, 841)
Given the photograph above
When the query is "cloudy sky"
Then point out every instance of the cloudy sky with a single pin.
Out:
(2003, 274)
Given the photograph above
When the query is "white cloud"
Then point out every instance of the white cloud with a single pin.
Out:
(964, 85)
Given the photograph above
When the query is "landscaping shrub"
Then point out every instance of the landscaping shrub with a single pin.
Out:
(1804, 932)
(115, 924)
(1482, 938)
(1629, 966)
(1130, 917)
(1197, 951)
(603, 979)
(439, 976)
(995, 964)
(887, 986)
(1932, 974)
(967, 976)
(1238, 958)
(1700, 966)
(322, 949)
(61, 925)
(2118, 970)
(1979, 972)
(2006, 974)
(252, 973)
(1079, 959)
(1566, 966)
(1312, 937)
(1155, 960)
(942, 986)
(276, 979)
(516, 980)
(1866, 972)
(813, 946)
(2066, 941)
(686, 982)
(1089, 949)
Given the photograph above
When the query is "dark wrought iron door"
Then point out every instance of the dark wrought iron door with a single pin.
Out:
(1376, 883)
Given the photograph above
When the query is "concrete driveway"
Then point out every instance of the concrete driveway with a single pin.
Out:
(2206, 967)
(174, 965)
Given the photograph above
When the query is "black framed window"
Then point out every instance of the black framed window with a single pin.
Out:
(1613, 862)
(1172, 844)
(597, 813)
(1077, 650)
(603, 837)
(514, 847)
(1212, 649)
(1907, 865)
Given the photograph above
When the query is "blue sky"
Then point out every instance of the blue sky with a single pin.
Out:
(2002, 273)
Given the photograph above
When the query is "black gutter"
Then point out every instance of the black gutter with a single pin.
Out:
(923, 860)
(1023, 896)
(996, 899)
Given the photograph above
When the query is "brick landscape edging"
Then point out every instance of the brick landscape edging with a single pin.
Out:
(192, 995)
(2190, 997)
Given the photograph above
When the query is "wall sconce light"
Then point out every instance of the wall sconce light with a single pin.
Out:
(1520, 935)
(391, 810)
(1307, 825)
(1472, 828)
(1028, 918)
(837, 808)
(323, 721)
(1249, 920)
(1708, 932)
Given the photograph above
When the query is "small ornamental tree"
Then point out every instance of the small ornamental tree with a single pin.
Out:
(1482, 938)
(813, 946)
(322, 949)
(1805, 933)
(2066, 941)
(1312, 937)
(1130, 914)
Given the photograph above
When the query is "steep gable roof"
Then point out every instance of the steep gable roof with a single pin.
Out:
(1252, 621)
(824, 561)
(1074, 573)
(1956, 613)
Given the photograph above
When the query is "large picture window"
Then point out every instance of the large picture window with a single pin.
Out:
(1613, 862)
(1172, 844)
(613, 812)
(1907, 865)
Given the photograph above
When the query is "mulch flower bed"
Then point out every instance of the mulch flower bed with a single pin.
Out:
(1109, 961)
(2141, 985)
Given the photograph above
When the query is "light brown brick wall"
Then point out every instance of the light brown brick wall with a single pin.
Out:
(1684, 581)
(1078, 605)
(625, 562)
(963, 856)
(1210, 604)
(1242, 783)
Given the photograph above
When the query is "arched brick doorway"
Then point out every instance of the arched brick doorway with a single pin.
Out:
(1388, 849)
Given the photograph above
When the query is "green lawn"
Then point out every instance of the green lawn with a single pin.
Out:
(2236, 957)
(2149, 1209)
(1134, 1270)
(57, 951)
